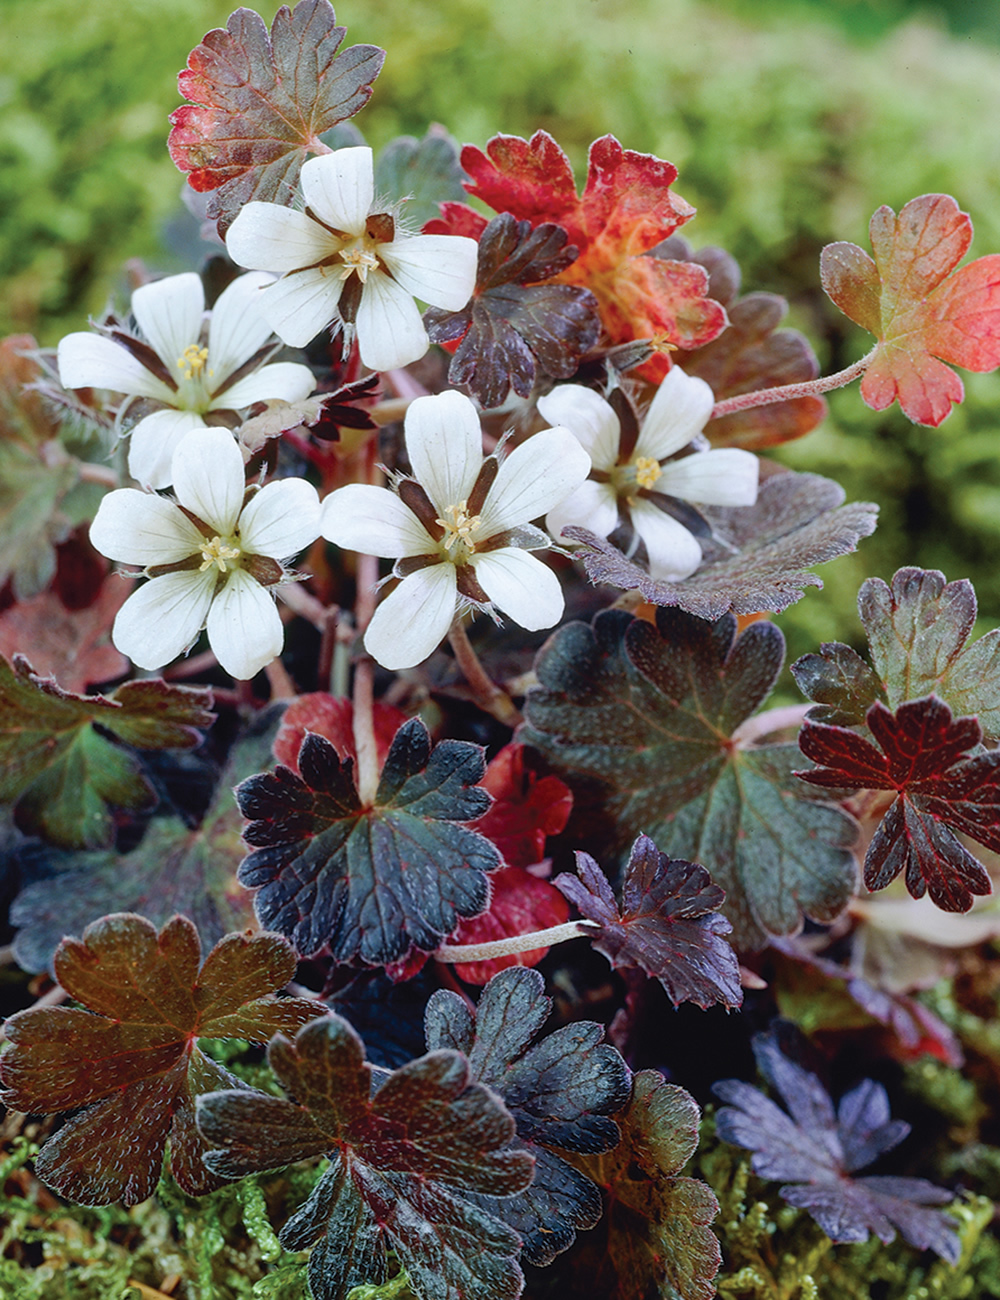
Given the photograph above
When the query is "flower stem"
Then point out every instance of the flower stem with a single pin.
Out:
(364, 671)
(465, 952)
(787, 392)
(490, 697)
(763, 724)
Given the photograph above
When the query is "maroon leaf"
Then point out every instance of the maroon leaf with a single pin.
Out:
(669, 926)
(401, 1165)
(131, 1058)
(526, 808)
(925, 757)
(514, 324)
(261, 103)
(816, 1152)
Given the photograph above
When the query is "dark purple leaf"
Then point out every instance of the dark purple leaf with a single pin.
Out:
(559, 1088)
(669, 926)
(815, 1151)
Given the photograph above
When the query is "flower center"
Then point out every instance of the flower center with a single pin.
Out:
(193, 361)
(459, 527)
(357, 259)
(219, 551)
(647, 471)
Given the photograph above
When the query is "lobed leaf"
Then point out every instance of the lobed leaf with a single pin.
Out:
(129, 1054)
(426, 171)
(669, 925)
(261, 101)
(403, 1165)
(921, 310)
(560, 1090)
(816, 1152)
(640, 720)
(762, 555)
(369, 883)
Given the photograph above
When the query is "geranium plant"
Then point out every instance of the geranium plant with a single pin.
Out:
(497, 846)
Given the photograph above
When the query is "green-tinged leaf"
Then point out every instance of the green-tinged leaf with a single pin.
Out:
(35, 475)
(372, 883)
(63, 776)
(762, 553)
(130, 1056)
(840, 682)
(560, 1089)
(654, 1239)
(173, 869)
(402, 1163)
(426, 172)
(640, 720)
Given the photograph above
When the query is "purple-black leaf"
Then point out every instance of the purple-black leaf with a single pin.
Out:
(815, 1151)
(403, 1165)
(370, 883)
(669, 924)
(560, 1089)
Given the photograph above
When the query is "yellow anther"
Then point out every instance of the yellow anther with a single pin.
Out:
(217, 552)
(357, 260)
(661, 343)
(647, 471)
(459, 526)
(192, 362)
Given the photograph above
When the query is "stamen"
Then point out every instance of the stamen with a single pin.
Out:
(193, 360)
(357, 260)
(647, 471)
(459, 526)
(217, 552)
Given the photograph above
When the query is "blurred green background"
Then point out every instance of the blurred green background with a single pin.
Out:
(790, 123)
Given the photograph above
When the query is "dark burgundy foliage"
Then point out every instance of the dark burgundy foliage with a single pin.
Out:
(341, 409)
(560, 1089)
(369, 883)
(403, 1165)
(669, 924)
(816, 1152)
(928, 758)
(515, 325)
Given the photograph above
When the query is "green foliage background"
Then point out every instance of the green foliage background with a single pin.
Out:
(787, 131)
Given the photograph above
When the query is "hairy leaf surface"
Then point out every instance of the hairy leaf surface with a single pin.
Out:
(427, 172)
(559, 1088)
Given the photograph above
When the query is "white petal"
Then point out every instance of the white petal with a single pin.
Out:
(153, 442)
(282, 380)
(340, 187)
(244, 627)
(373, 521)
(726, 476)
(169, 314)
(439, 269)
(414, 619)
(162, 619)
(281, 519)
(590, 419)
(269, 237)
(444, 442)
(390, 331)
(592, 505)
(209, 478)
(139, 528)
(679, 410)
(673, 551)
(236, 328)
(92, 361)
(301, 304)
(522, 586)
(534, 478)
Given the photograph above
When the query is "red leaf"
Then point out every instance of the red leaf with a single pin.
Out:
(333, 717)
(928, 759)
(626, 209)
(261, 102)
(519, 903)
(921, 314)
(526, 808)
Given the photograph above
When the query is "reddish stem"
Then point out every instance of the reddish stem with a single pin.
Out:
(787, 392)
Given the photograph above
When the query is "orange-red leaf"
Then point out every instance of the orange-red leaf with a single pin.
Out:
(921, 313)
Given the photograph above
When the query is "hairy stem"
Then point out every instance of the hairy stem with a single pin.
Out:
(364, 672)
(490, 697)
(786, 392)
(548, 938)
(763, 724)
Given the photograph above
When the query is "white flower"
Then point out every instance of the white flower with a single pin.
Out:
(174, 364)
(345, 259)
(210, 558)
(630, 473)
(459, 529)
